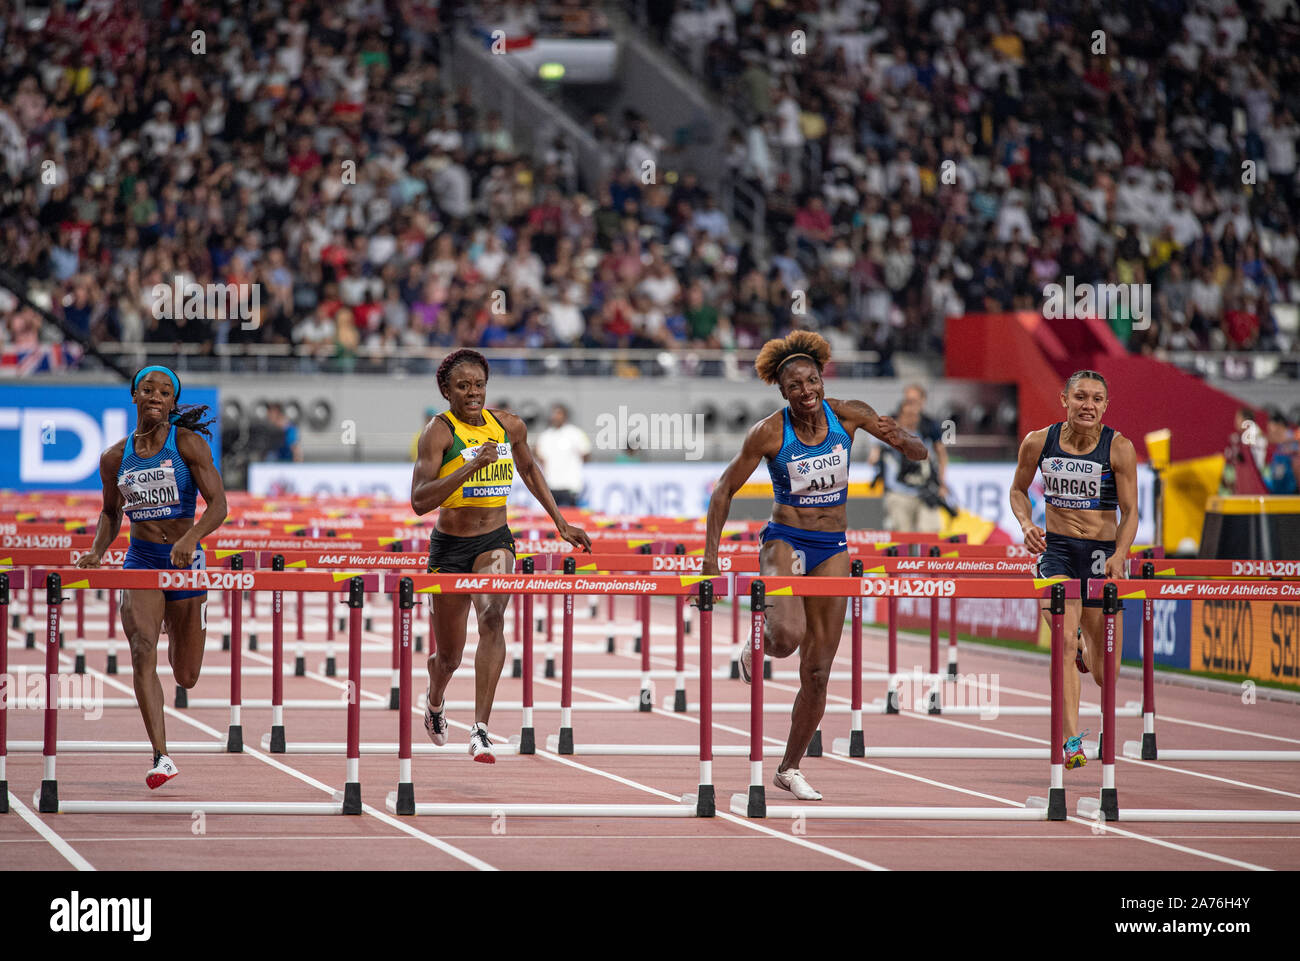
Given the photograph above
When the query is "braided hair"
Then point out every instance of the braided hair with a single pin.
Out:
(456, 357)
(776, 353)
(191, 416)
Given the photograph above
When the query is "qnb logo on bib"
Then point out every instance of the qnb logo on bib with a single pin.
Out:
(820, 474)
(469, 453)
(1067, 479)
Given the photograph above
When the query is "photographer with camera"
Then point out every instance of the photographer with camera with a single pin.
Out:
(914, 491)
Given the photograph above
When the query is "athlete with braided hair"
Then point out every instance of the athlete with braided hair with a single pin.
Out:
(465, 465)
(152, 476)
(807, 446)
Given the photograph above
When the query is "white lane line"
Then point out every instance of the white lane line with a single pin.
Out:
(1228, 730)
(720, 814)
(843, 660)
(986, 729)
(45, 831)
(307, 779)
(652, 837)
(1109, 828)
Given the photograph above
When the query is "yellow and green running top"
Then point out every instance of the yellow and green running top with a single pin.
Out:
(488, 487)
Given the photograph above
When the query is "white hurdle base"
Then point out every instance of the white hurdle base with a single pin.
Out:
(629, 704)
(992, 712)
(663, 750)
(499, 748)
(840, 747)
(77, 703)
(1132, 709)
(1134, 749)
(177, 748)
(1089, 807)
(188, 808)
(740, 806)
(742, 707)
(683, 809)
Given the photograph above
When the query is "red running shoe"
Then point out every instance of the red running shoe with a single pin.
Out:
(163, 770)
(480, 745)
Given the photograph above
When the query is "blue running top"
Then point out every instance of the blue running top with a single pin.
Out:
(156, 488)
(804, 476)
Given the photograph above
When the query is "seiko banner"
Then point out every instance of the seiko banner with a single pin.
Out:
(52, 436)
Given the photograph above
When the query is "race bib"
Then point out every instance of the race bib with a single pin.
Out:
(149, 488)
(820, 478)
(1072, 482)
(496, 478)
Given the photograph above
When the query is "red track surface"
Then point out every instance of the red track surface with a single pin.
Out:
(1187, 718)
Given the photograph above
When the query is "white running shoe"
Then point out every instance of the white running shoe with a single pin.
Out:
(435, 722)
(746, 660)
(480, 745)
(163, 770)
(793, 782)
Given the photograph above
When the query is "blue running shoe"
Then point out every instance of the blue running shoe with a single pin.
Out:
(1074, 756)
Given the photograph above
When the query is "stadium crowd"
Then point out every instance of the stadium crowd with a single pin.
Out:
(327, 156)
(961, 156)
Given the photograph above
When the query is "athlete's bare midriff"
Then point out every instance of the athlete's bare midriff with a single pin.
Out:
(470, 521)
(1087, 525)
(812, 518)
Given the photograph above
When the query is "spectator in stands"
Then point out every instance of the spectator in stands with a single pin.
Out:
(164, 170)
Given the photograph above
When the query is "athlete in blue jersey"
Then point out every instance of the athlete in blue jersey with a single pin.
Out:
(1088, 471)
(807, 446)
(153, 475)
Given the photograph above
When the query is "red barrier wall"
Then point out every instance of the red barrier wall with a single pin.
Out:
(1038, 355)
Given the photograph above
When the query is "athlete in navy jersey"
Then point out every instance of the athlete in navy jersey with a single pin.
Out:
(807, 446)
(153, 476)
(1088, 472)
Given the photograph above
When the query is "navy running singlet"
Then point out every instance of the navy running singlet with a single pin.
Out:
(1082, 482)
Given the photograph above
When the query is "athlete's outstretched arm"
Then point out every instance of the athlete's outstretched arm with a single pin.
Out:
(110, 515)
(1031, 448)
(535, 480)
(198, 458)
(1123, 461)
(855, 414)
(761, 440)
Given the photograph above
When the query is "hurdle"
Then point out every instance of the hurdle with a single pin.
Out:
(1106, 807)
(348, 801)
(1146, 750)
(700, 804)
(1053, 808)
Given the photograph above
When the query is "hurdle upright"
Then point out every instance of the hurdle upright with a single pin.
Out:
(1053, 808)
(347, 801)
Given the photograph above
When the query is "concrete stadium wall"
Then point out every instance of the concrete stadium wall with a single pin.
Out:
(382, 414)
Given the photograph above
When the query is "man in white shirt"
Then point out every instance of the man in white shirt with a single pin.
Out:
(561, 450)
